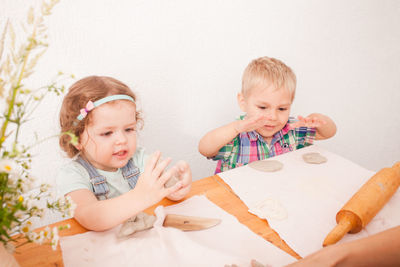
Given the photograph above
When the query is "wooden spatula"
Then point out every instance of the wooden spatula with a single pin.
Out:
(189, 223)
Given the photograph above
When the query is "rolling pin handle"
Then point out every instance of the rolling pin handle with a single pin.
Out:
(337, 233)
(347, 222)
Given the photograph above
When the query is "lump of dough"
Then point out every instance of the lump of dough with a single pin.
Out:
(266, 165)
(171, 181)
(269, 209)
(140, 222)
(314, 158)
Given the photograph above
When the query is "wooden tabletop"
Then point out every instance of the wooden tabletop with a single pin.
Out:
(213, 187)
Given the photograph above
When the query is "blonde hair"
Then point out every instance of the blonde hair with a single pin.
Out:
(264, 71)
(90, 88)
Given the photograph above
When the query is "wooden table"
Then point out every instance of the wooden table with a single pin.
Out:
(213, 187)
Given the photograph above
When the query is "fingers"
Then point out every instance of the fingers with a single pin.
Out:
(160, 167)
(309, 121)
(182, 166)
(166, 176)
(152, 161)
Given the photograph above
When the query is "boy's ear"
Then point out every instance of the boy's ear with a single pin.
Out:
(241, 102)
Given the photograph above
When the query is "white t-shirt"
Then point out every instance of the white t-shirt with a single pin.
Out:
(73, 176)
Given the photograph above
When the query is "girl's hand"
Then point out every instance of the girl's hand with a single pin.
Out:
(182, 170)
(150, 185)
(250, 123)
(311, 121)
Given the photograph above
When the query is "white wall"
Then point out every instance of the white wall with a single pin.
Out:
(185, 60)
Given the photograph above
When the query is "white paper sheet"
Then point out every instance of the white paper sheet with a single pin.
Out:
(311, 195)
(227, 243)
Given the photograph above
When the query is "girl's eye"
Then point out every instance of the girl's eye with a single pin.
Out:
(261, 107)
(106, 133)
(282, 109)
(130, 129)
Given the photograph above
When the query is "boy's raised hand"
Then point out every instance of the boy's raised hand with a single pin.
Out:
(150, 185)
(311, 121)
(250, 123)
(182, 170)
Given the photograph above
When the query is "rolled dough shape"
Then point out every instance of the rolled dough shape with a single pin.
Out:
(266, 165)
(314, 158)
(269, 209)
(140, 222)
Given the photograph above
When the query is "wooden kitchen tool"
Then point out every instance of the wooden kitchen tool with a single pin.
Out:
(365, 204)
(189, 223)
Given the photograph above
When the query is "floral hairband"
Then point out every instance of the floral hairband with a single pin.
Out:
(91, 105)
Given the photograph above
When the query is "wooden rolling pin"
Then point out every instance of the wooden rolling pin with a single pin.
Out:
(365, 204)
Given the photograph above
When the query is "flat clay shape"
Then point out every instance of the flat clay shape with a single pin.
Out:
(270, 209)
(314, 158)
(266, 165)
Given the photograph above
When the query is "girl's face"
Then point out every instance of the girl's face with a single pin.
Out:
(109, 141)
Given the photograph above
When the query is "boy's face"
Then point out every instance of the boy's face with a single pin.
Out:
(273, 104)
(109, 141)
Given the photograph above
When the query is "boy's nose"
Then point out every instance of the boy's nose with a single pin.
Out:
(271, 114)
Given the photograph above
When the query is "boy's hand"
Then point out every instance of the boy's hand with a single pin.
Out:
(311, 121)
(150, 185)
(250, 124)
(182, 170)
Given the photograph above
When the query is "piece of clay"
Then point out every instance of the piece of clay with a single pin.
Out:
(171, 182)
(140, 222)
(314, 158)
(255, 263)
(266, 165)
(269, 209)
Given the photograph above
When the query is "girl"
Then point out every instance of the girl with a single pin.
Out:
(108, 165)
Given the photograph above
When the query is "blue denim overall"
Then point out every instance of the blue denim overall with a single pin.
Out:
(99, 183)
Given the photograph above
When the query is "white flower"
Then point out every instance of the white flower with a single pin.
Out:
(28, 184)
(19, 214)
(8, 166)
(44, 187)
(26, 228)
(46, 232)
(39, 238)
(54, 238)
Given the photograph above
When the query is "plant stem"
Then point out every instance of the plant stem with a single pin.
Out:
(15, 89)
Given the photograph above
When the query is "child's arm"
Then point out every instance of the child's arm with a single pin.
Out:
(102, 215)
(324, 126)
(381, 249)
(214, 140)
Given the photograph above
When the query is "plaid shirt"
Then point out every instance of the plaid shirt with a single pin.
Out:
(250, 146)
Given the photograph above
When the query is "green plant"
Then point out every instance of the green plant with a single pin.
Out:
(19, 197)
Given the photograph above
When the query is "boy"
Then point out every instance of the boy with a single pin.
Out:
(268, 89)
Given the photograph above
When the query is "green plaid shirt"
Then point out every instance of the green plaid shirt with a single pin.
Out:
(250, 146)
